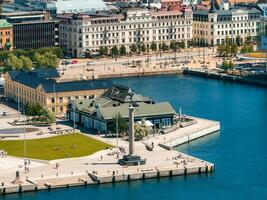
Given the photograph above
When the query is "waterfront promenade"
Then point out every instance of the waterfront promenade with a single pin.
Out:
(143, 65)
(102, 166)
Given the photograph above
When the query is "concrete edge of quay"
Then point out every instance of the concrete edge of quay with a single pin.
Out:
(190, 136)
(156, 73)
(214, 75)
(93, 179)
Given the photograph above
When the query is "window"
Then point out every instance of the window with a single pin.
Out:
(61, 99)
(52, 100)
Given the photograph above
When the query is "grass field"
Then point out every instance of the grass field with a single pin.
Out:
(64, 146)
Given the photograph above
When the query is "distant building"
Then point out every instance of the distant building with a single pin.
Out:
(6, 36)
(40, 86)
(132, 26)
(100, 112)
(33, 30)
(211, 27)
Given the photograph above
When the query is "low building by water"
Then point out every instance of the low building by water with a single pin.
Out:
(99, 113)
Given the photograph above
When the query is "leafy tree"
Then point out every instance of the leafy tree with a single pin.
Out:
(143, 48)
(221, 50)
(133, 48)
(182, 45)
(103, 51)
(153, 46)
(51, 60)
(238, 40)
(27, 63)
(247, 48)
(39, 60)
(141, 131)
(173, 46)
(13, 62)
(164, 46)
(227, 65)
(114, 51)
(248, 40)
(122, 50)
(122, 124)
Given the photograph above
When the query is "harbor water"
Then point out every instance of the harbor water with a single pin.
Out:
(238, 151)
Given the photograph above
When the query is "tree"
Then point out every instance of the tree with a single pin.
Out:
(227, 65)
(51, 60)
(182, 44)
(39, 61)
(101, 51)
(164, 46)
(234, 49)
(141, 130)
(143, 48)
(122, 124)
(221, 50)
(114, 51)
(13, 62)
(27, 63)
(247, 48)
(173, 46)
(248, 40)
(153, 46)
(122, 50)
(238, 40)
(133, 48)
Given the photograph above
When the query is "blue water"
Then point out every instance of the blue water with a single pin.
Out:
(239, 150)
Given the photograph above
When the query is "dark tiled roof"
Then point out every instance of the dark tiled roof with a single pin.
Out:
(13, 74)
(77, 86)
(30, 80)
(46, 73)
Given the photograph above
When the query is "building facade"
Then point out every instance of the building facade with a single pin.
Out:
(41, 87)
(6, 36)
(211, 27)
(99, 113)
(79, 33)
(33, 30)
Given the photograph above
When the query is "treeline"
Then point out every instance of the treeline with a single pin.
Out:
(29, 59)
(141, 48)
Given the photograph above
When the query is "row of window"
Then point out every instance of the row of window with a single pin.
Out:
(62, 99)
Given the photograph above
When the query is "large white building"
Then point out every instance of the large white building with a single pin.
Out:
(211, 27)
(79, 33)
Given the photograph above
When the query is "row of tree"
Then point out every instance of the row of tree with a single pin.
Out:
(142, 48)
(22, 59)
(231, 48)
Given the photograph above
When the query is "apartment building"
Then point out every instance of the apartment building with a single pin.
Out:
(79, 33)
(212, 26)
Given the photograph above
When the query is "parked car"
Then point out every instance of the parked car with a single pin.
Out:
(5, 113)
(74, 61)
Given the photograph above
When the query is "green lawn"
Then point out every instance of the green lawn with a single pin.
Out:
(64, 146)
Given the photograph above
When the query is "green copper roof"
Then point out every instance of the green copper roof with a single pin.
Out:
(4, 24)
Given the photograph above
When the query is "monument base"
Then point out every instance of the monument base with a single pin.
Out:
(131, 160)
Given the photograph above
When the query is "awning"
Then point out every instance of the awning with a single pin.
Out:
(147, 123)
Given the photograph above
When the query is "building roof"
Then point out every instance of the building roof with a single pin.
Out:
(4, 24)
(143, 110)
(43, 77)
(76, 86)
(106, 106)
(124, 94)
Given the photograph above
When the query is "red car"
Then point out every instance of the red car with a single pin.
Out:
(74, 61)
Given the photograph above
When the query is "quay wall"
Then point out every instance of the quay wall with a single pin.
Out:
(169, 144)
(154, 73)
(106, 178)
(214, 75)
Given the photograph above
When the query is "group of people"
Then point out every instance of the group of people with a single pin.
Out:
(3, 153)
